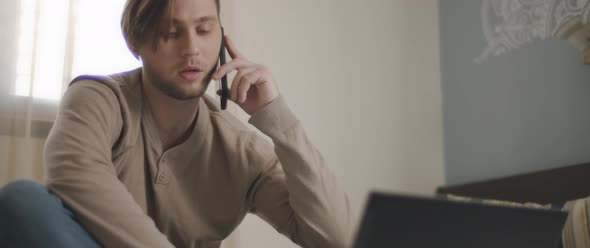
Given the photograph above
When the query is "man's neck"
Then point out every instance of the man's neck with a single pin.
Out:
(174, 118)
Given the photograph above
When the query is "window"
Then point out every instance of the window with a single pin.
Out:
(60, 39)
(46, 44)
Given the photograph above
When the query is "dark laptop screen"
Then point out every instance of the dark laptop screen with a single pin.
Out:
(395, 220)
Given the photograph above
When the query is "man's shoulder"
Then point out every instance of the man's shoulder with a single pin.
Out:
(117, 95)
(123, 82)
(124, 87)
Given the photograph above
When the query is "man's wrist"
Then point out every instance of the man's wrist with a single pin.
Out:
(273, 118)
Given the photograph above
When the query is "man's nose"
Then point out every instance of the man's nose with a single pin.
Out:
(190, 52)
(190, 45)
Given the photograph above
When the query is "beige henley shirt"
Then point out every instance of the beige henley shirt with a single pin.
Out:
(105, 160)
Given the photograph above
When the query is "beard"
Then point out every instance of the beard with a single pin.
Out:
(171, 89)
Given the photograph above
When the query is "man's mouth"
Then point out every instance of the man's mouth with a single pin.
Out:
(190, 72)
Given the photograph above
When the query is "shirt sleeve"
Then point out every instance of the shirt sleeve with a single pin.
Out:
(296, 192)
(80, 171)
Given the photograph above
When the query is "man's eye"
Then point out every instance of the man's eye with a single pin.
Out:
(203, 31)
(172, 34)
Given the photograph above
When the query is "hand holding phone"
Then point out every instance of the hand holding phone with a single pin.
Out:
(252, 88)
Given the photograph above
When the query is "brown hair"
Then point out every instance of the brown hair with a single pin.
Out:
(145, 20)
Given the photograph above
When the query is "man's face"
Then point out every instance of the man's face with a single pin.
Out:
(186, 55)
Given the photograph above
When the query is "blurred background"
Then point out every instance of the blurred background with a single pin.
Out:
(370, 80)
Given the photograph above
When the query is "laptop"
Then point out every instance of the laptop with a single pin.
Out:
(408, 221)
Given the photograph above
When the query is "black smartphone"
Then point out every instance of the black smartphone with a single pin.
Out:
(224, 91)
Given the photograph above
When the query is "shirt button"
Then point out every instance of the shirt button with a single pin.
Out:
(162, 178)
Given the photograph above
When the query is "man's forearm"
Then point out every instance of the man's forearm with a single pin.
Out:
(320, 205)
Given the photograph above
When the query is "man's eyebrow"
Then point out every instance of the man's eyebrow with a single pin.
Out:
(176, 21)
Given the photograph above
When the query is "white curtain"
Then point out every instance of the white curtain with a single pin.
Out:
(44, 45)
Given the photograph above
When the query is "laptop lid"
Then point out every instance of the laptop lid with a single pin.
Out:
(406, 221)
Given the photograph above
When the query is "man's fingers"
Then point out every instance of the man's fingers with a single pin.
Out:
(235, 64)
(236, 82)
(246, 82)
(243, 91)
(231, 48)
(233, 94)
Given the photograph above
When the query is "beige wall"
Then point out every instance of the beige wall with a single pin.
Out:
(363, 76)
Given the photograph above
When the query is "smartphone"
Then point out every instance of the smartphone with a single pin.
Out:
(223, 82)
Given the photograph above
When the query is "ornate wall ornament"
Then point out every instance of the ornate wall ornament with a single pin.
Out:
(510, 24)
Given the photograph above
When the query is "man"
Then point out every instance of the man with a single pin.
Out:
(145, 159)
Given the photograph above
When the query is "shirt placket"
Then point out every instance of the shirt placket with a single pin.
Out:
(163, 175)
